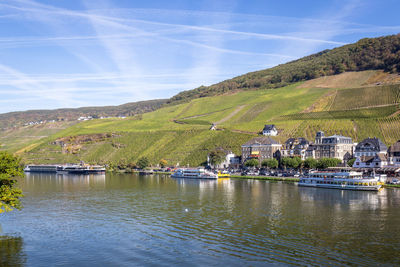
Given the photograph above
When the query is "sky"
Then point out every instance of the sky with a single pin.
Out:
(75, 53)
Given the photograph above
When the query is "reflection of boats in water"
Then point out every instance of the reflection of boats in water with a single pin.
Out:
(194, 174)
(74, 180)
(66, 169)
(342, 180)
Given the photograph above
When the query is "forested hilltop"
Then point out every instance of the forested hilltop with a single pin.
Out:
(381, 53)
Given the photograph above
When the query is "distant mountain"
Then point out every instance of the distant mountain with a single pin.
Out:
(19, 118)
(381, 53)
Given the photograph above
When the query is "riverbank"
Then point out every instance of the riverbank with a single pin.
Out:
(269, 178)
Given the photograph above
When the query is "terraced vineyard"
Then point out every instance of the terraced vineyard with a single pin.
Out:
(366, 97)
(180, 133)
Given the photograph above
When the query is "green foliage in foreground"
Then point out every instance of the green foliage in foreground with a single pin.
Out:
(10, 195)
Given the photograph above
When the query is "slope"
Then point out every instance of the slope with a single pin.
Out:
(180, 133)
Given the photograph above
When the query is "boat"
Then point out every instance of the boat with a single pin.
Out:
(41, 168)
(342, 180)
(224, 174)
(194, 174)
(80, 169)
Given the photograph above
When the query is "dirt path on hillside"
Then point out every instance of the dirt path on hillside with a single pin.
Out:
(236, 111)
(243, 132)
(395, 114)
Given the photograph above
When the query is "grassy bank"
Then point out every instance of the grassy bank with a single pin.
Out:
(391, 185)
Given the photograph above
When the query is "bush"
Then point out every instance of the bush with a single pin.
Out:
(143, 162)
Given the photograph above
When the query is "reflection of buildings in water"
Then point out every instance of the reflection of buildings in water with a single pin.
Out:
(66, 181)
(345, 199)
(227, 187)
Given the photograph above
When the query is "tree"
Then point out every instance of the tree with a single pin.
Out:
(270, 163)
(143, 162)
(163, 163)
(10, 195)
(310, 163)
(298, 162)
(251, 163)
(324, 163)
(351, 162)
(216, 157)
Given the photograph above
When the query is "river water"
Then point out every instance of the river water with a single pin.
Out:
(125, 220)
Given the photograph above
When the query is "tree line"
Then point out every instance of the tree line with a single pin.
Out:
(381, 53)
(294, 163)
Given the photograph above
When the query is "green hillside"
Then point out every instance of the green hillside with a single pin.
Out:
(353, 90)
(19, 118)
(180, 133)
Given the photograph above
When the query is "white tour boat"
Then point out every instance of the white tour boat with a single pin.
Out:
(343, 180)
(194, 174)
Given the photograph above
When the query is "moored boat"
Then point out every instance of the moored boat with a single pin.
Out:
(41, 168)
(80, 169)
(224, 174)
(194, 174)
(342, 180)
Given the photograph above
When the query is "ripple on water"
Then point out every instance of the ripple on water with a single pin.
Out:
(125, 219)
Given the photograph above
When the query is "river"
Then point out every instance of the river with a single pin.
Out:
(126, 219)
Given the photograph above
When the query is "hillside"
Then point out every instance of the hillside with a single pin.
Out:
(367, 54)
(12, 119)
(352, 90)
(180, 133)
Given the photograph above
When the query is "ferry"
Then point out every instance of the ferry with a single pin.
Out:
(194, 174)
(343, 180)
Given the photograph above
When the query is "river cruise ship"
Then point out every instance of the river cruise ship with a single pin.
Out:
(342, 180)
(80, 169)
(42, 168)
(194, 174)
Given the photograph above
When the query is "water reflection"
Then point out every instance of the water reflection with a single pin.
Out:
(65, 182)
(349, 199)
(125, 219)
(11, 251)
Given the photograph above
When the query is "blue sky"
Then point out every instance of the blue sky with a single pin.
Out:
(66, 53)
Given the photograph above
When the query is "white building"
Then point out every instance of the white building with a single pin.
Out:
(270, 130)
(378, 161)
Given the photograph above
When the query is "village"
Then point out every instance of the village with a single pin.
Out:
(369, 155)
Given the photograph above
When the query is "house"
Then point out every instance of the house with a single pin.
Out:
(270, 130)
(230, 160)
(379, 160)
(370, 147)
(394, 154)
(295, 147)
(335, 146)
(260, 148)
